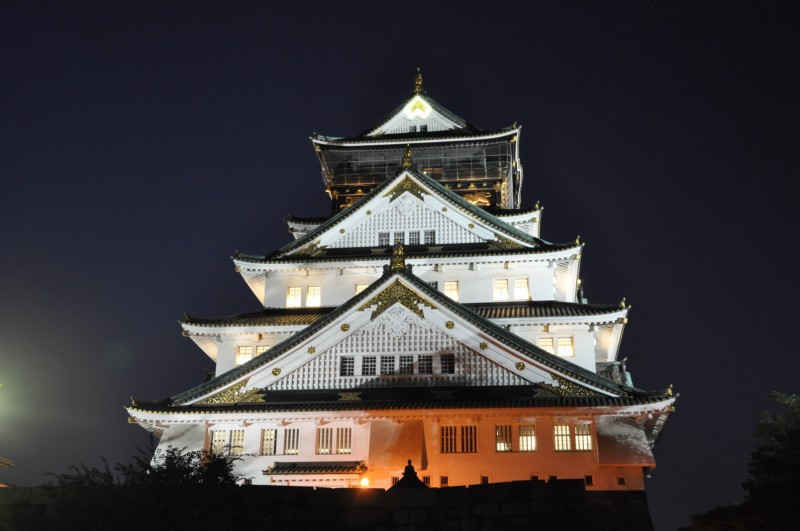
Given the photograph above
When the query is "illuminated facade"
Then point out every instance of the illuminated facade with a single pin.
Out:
(424, 319)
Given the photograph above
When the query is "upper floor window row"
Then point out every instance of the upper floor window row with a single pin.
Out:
(414, 237)
(402, 364)
(506, 289)
(563, 346)
(294, 296)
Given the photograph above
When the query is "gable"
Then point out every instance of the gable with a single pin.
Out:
(417, 111)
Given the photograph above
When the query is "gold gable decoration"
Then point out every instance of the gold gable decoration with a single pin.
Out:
(310, 250)
(233, 395)
(406, 185)
(568, 388)
(397, 292)
(508, 244)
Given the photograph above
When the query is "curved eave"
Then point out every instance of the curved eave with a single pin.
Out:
(430, 138)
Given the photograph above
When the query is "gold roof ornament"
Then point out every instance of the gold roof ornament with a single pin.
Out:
(623, 303)
(407, 162)
(418, 83)
(398, 258)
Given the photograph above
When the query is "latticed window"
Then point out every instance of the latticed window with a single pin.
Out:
(546, 343)
(430, 237)
(527, 438)
(269, 439)
(469, 439)
(324, 440)
(314, 296)
(291, 441)
(561, 438)
(503, 438)
(500, 292)
(219, 442)
(344, 440)
(237, 442)
(347, 366)
(449, 439)
(244, 354)
(448, 362)
(260, 349)
(583, 437)
(399, 237)
(383, 239)
(451, 289)
(434, 284)
(565, 346)
(521, 291)
(293, 297)
(444, 481)
(413, 237)
(387, 364)
(406, 364)
(368, 366)
(425, 365)
(361, 287)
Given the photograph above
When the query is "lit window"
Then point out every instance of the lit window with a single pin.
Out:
(269, 438)
(583, 438)
(501, 289)
(546, 343)
(451, 289)
(425, 365)
(521, 292)
(313, 297)
(562, 440)
(387, 364)
(395, 479)
(219, 442)
(469, 439)
(484, 480)
(244, 354)
(449, 439)
(344, 440)
(347, 366)
(406, 364)
(383, 239)
(291, 441)
(413, 237)
(237, 442)
(399, 237)
(430, 237)
(565, 347)
(260, 349)
(368, 366)
(293, 295)
(444, 481)
(361, 287)
(503, 438)
(527, 439)
(448, 362)
(324, 440)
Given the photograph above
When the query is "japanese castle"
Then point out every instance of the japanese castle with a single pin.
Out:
(423, 319)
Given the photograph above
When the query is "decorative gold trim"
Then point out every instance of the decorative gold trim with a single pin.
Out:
(472, 225)
(397, 292)
(341, 231)
(568, 388)
(398, 259)
(444, 209)
(233, 395)
(450, 324)
(312, 350)
(520, 366)
(345, 327)
(406, 185)
(508, 244)
(407, 161)
(310, 250)
(350, 396)
(369, 212)
(484, 345)
(276, 371)
(418, 83)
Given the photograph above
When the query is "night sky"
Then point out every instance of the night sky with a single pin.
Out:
(141, 143)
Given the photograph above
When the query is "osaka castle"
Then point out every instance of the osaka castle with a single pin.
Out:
(423, 318)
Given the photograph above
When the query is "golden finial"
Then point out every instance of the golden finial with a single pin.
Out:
(407, 162)
(398, 260)
(418, 83)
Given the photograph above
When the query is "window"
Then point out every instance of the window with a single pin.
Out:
(500, 289)
(269, 438)
(562, 346)
(430, 237)
(426, 480)
(521, 291)
(406, 364)
(368, 366)
(451, 289)
(565, 347)
(444, 481)
(361, 287)
(387, 364)
(244, 354)
(291, 441)
(383, 239)
(413, 237)
(546, 343)
(484, 480)
(395, 479)
(219, 441)
(313, 297)
(293, 295)
(449, 439)
(260, 349)
(562, 440)
(583, 437)
(237, 442)
(423, 128)
(588, 481)
(469, 439)
(425, 365)
(621, 481)
(434, 285)
(347, 366)
(399, 237)
(324, 440)
(448, 362)
(344, 440)
(527, 439)
(503, 438)
(412, 128)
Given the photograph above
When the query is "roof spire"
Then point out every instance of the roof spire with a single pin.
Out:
(398, 259)
(418, 83)
(407, 162)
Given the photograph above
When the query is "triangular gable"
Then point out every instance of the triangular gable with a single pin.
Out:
(418, 110)
(400, 308)
(409, 202)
